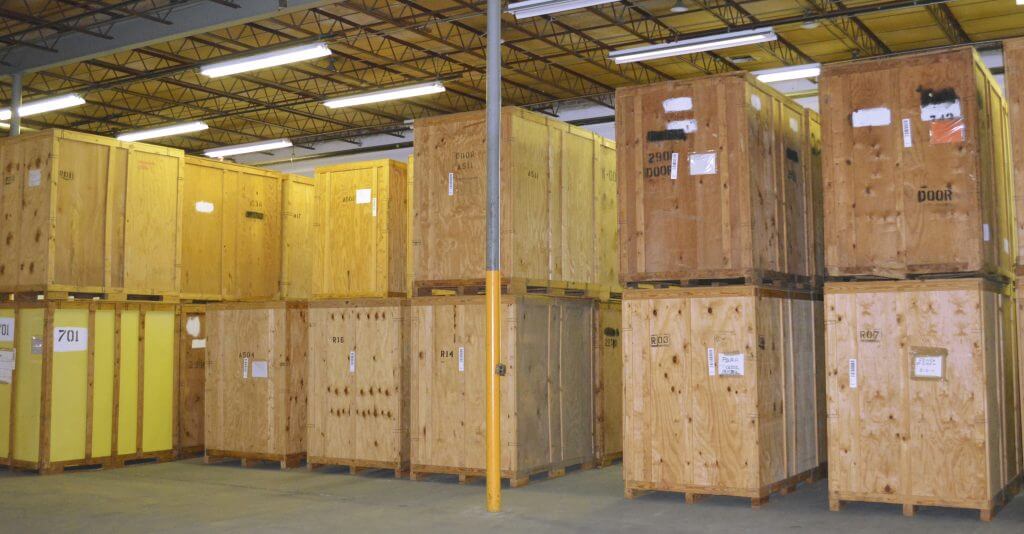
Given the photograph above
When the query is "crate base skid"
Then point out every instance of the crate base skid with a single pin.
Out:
(515, 480)
(987, 510)
(248, 459)
(607, 460)
(887, 276)
(357, 466)
(757, 497)
(126, 460)
(56, 468)
(511, 286)
(183, 453)
(727, 277)
(87, 294)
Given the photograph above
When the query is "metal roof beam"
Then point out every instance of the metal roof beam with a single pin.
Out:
(947, 22)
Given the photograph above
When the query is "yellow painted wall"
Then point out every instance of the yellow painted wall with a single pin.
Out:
(158, 382)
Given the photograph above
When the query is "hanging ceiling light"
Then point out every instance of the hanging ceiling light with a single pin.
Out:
(692, 46)
(679, 7)
(247, 148)
(44, 105)
(386, 94)
(536, 8)
(795, 72)
(283, 56)
(163, 131)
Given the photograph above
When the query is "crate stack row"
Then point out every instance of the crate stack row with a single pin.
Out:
(720, 247)
(922, 367)
(383, 368)
(1013, 61)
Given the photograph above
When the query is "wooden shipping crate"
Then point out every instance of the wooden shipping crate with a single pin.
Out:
(88, 214)
(922, 394)
(362, 214)
(546, 393)
(231, 228)
(1013, 63)
(256, 382)
(86, 383)
(723, 391)
(917, 167)
(608, 382)
(719, 177)
(191, 389)
(298, 237)
(359, 384)
(558, 207)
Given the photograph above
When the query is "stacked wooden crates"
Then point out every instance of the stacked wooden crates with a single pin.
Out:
(720, 247)
(558, 253)
(1013, 61)
(87, 382)
(920, 243)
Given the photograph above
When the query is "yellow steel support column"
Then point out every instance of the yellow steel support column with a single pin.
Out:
(493, 391)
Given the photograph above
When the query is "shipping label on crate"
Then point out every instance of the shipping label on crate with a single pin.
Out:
(199, 343)
(711, 361)
(7, 361)
(245, 367)
(35, 177)
(7, 329)
(864, 118)
(260, 369)
(352, 361)
(703, 163)
(853, 373)
(70, 339)
(37, 345)
(928, 363)
(462, 359)
(730, 364)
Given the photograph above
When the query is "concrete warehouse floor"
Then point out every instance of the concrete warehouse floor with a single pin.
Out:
(188, 496)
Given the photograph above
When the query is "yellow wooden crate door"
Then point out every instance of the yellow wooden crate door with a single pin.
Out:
(7, 356)
(128, 384)
(69, 384)
(158, 381)
(151, 252)
(352, 219)
(103, 383)
(29, 372)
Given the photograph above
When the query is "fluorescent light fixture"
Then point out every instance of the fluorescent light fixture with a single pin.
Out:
(408, 91)
(269, 59)
(44, 105)
(536, 8)
(795, 72)
(692, 46)
(258, 146)
(163, 131)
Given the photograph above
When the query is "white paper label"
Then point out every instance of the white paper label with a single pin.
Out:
(675, 105)
(985, 233)
(711, 361)
(35, 177)
(462, 359)
(204, 207)
(6, 366)
(675, 166)
(853, 373)
(70, 339)
(373, 210)
(688, 125)
(199, 343)
(37, 345)
(259, 368)
(730, 364)
(6, 376)
(352, 361)
(193, 325)
(871, 117)
(1006, 245)
(928, 366)
(363, 196)
(756, 102)
(703, 164)
(245, 367)
(908, 139)
(7, 329)
(941, 110)
(451, 184)
(794, 125)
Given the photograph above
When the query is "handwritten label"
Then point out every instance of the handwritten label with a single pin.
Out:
(70, 339)
(730, 364)
(7, 329)
(927, 366)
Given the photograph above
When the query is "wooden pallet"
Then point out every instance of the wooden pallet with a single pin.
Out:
(515, 480)
(987, 510)
(758, 497)
(111, 296)
(183, 453)
(607, 460)
(56, 468)
(248, 459)
(357, 466)
(126, 460)
(509, 286)
(887, 276)
(730, 277)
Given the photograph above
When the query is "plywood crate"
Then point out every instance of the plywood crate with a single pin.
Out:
(608, 382)
(558, 208)
(546, 393)
(719, 178)
(298, 237)
(256, 369)
(362, 214)
(723, 391)
(922, 394)
(359, 384)
(191, 390)
(1013, 63)
(231, 227)
(917, 167)
(88, 214)
(86, 384)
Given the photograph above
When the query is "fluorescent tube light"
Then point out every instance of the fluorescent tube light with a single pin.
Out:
(536, 8)
(163, 131)
(795, 72)
(44, 105)
(269, 59)
(692, 46)
(387, 94)
(258, 146)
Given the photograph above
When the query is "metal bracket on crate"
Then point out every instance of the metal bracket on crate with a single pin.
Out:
(500, 369)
